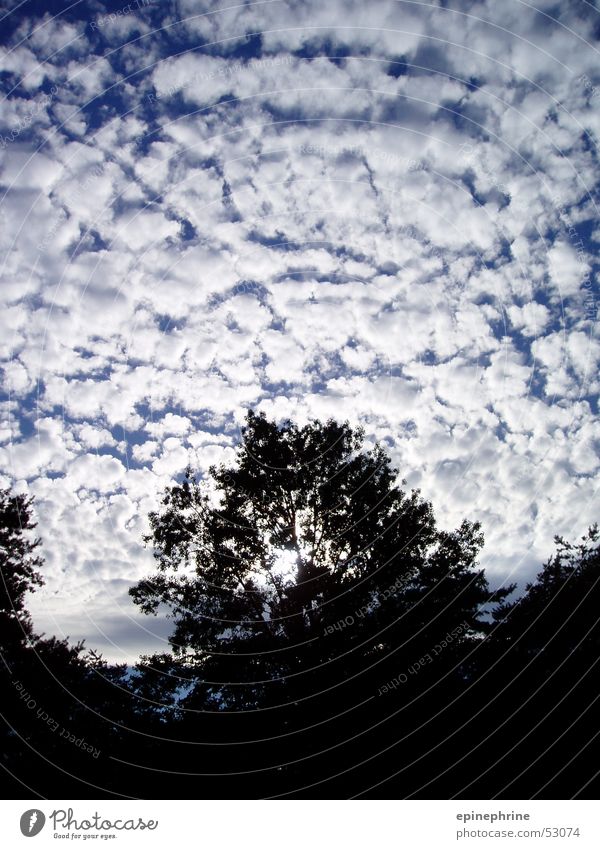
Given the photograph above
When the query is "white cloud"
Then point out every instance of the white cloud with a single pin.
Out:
(320, 244)
(565, 269)
(170, 424)
(531, 319)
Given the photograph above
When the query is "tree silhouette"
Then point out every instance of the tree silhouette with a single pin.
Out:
(300, 580)
(60, 706)
(19, 570)
(541, 686)
(329, 639)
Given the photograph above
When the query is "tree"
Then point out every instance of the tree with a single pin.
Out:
(329, 639)
(53, 693)
(557, 615)
(300, 579)
(19, 565)
(539, 687)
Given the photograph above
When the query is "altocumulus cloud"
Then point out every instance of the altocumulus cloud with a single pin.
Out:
(383, 213)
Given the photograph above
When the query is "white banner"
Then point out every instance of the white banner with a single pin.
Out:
(292, 824)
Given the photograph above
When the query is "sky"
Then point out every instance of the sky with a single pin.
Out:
(384, 212)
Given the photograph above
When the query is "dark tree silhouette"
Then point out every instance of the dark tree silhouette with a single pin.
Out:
(19, 569)
(540, 684)
(329, 640)
(301, 580)
(61, 708)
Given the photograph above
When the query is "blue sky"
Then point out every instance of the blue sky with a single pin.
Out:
(384, 212)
